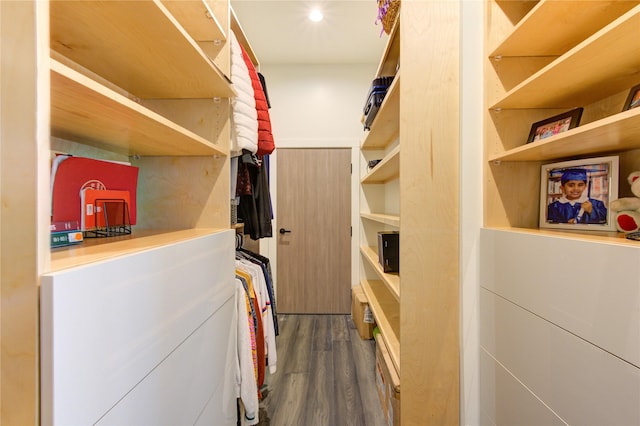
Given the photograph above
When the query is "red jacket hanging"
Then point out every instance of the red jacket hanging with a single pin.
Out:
(266, 145)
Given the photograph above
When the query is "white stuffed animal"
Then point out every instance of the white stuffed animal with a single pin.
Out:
(627, 210)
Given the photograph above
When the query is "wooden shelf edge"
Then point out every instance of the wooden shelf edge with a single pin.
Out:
(386, 125)
(152, 39)
(96, 249)
(387, 219)
(614, 133)
(386, 311)
(557, 86)
(242, 38)
(391, 54)
(106, 129)
(596, 237)
(197, 18)
(394, 368)
(553, 14)
(392, 281)
(386, 170)
(516, 10)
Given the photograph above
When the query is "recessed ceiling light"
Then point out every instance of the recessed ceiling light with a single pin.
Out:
(315, 15)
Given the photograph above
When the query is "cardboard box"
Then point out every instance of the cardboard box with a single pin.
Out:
(361, 314)
(387, 384)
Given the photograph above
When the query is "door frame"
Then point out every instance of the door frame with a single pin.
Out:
(268, 246)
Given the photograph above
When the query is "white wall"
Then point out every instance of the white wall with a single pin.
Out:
(471, 116)
(317, 106)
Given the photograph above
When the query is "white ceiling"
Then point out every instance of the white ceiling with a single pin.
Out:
(280, 32)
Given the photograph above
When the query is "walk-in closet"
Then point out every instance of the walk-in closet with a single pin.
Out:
(319, 213)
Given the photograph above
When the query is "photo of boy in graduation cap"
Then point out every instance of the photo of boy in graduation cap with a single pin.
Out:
(575, 205)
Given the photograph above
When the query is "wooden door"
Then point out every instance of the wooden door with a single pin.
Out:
(314, 231)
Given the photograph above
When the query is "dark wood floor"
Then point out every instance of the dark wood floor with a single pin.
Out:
(325, 377)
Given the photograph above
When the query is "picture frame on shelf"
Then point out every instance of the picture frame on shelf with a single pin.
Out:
(554, 125)
(633, 100)
(575, 194)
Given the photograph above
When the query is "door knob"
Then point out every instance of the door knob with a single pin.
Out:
(284, 231)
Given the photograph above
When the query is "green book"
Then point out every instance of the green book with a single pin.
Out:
(65, 238)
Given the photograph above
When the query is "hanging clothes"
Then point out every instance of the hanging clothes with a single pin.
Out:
(254, 208)
(257, 330)
(264, 305)
(265, 264)
(263, 81)
(246, 361)
(260, 353)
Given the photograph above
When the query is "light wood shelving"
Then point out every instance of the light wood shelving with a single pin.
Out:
(92, 250)
(576, 77)
(128, 90)
(526, 39)
(82, 109)
(392, 281)
(198, 18)
(386, 170)
(385, 127)
(415, 132)
(385, 309)
(242, 39)
(619, 132)
(155, 59)
(382, 290)
(393, 220)
(138, 81)
(597, 62)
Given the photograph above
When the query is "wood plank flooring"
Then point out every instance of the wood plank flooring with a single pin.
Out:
(325, 377)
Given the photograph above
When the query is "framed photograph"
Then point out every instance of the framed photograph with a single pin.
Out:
(576, 194)
(633, 100)
(554, 125)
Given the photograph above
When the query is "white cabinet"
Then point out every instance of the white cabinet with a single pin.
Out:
(142, 338)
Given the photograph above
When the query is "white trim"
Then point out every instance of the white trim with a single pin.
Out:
(471, 177)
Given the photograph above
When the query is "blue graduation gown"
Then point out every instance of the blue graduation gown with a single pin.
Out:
(558, 212)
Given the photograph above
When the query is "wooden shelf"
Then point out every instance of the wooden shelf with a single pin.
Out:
(391, 281)
(598, 67)
(137, 45)
(97, 249)
(386, 126)
(386, 311)
(516, 10)
(596, 237)
(197, 19)
(387, 219)
(391, 56)
(84, 110)
(571, 23)
(619, 132)
(242, 39)
(386, 170)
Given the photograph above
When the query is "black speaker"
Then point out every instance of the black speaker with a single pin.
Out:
(389, 250)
